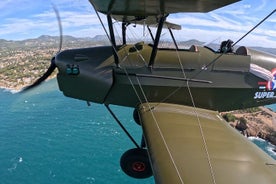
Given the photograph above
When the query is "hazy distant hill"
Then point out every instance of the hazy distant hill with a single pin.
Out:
(46, 41)
(21, 62)
(191, 42)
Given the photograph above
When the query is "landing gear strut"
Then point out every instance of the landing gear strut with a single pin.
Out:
(135, 163)
(136, 117)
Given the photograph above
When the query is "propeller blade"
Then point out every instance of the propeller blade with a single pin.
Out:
(60, 28)
(49, 71)
(53, 66)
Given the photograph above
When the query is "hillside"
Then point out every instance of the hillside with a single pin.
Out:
(22, 62)
(254, 122)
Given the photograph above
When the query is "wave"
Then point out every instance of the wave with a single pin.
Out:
(9, 90)
(265, 145)
(256, 138)
(271, 151)
(15, 162)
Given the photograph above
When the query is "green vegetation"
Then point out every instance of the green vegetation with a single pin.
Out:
(252, 110)
(243, 120)
(229, 117)
(242, 124)
(22, 62)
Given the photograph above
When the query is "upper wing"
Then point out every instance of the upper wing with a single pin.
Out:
(156, 7)
(191, 145)
(150, 21)
(147, 11)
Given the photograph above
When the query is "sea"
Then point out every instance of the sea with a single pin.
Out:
(47, 138)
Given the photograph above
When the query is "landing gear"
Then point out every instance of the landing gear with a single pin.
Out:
(135, 163)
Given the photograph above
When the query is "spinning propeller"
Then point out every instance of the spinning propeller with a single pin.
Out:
(53, 66)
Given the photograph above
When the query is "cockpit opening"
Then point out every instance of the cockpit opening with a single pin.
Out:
(226, 46)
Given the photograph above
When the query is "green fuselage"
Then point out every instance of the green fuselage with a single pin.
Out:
(196, 76)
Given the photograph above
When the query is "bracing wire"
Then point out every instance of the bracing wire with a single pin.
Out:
(147, 102)
(160, 131)
(264, 19)
(132, 85)
(126, 72)
(197, 116)
(190, 94)
(139, 53)
(216, 59)
(192, 99)
(108, 108)
(102, 24)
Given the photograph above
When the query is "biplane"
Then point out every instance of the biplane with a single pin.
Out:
(177, 95)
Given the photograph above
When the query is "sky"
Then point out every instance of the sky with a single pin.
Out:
(23, 19)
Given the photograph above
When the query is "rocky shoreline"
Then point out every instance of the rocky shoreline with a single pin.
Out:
(254, 122)
(15, 88)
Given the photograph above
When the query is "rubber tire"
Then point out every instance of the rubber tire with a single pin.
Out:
(136, 117)
(133, 157)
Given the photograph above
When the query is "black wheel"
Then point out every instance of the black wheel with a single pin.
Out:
(135, 163)
(136, 116)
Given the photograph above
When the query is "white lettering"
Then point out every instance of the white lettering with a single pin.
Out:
(256, 95)
(263, 94)
(260, 95)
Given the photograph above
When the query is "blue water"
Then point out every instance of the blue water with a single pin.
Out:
(48, 138)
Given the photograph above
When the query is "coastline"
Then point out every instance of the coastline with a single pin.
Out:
(12, 90)
(16, 88)
(258, 123)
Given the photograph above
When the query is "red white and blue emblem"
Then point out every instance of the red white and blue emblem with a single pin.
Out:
(271, 85)
(268, 87)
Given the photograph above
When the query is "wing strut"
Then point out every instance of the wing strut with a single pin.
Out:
(174, 41)
(156, 40)
(122, 126)
(112, 39)
(124, 27)
(111, 36)
(151, 35)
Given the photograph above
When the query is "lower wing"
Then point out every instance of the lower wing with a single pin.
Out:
(194, 146)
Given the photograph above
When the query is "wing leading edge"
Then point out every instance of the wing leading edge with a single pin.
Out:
(191, 145)
(147, 12)
(156, 7)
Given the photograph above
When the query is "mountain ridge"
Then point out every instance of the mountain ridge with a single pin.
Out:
(71, 41)
(21, 62)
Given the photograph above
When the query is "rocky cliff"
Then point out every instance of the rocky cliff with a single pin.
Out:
(257, 122)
